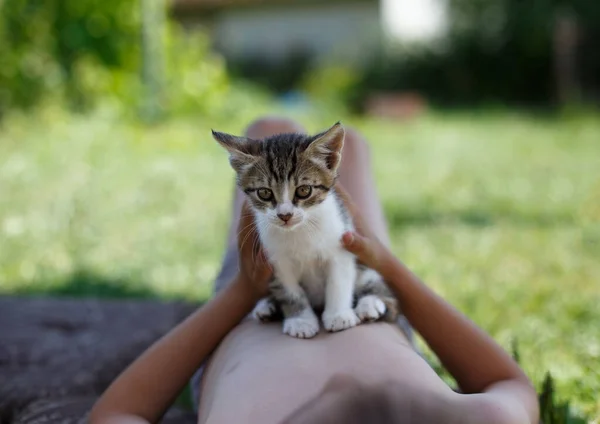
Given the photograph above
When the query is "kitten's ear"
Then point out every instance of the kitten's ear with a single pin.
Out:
(328, 146)
(239, 148)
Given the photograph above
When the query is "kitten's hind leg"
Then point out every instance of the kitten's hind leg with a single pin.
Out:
(266, 310)
(369, 308)
(299, 320)
(373, 298)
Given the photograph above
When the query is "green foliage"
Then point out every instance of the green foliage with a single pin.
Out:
(88, 52)
(498, 52)
(278, 76)
(44, 41)
(197, 80)
(331, 84)
(553, 411)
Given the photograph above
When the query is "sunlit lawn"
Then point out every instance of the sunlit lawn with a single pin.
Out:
(499, 213)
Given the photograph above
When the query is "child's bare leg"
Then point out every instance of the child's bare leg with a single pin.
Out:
(356, 176)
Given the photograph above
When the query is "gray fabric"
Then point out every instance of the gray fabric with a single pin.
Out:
(229, 268)
(74, 410)
(58, 355)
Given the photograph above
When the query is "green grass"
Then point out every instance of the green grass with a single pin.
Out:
(498, 213)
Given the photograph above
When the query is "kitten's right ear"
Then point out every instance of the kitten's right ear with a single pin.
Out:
(327, 146)
(239, 148)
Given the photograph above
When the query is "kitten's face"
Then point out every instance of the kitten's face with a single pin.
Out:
(286, 175)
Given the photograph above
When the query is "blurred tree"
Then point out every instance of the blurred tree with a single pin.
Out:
(43, 41)
(566, 36)
(278, 76)
(501, 51)
(86, 51)
(153, 25)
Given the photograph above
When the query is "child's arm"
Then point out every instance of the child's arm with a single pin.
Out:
(144, 391)
(473, 358)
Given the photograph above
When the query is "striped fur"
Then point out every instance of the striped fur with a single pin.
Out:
(277, 162)
(312, 271)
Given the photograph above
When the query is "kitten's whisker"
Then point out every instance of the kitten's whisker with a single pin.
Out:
(245, 229)
(246, 215)
(309, 230)
(255, 246)
(311, 226)
(248, 234)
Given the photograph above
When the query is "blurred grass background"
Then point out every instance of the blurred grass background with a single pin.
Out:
(111, 185)
(499, 213)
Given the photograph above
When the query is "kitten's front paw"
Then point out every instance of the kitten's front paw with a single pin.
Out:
(339, 321)
(302, 327)
(264, 310)
(370, 308)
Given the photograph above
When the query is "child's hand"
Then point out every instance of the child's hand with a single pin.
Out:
(362, 242)
(255, 271)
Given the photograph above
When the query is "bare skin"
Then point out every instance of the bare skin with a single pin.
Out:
(257, 374)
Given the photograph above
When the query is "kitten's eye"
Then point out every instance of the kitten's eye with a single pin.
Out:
(264, 194)
(303, 191)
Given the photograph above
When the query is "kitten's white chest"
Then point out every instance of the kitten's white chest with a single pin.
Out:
(309, 249)
(316, 240)
(309, 256)
(313, 281)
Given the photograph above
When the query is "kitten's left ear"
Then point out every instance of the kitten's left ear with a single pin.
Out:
(328, 146)
(241, 149)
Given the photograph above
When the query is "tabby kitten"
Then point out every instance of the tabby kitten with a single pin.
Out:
(289, 181)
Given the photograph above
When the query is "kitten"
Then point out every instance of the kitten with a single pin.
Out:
(289, 181)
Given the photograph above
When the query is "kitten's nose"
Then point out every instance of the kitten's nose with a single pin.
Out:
(285, 217)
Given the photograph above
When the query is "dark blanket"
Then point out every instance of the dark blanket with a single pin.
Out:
(58, 355)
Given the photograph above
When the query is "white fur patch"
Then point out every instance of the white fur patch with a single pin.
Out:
(264, 310)
(309, 257)
(339, 321)
(313, 242)
(303, 326)
(370, 308)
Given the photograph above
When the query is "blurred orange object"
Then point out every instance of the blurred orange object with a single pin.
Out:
(395, 105)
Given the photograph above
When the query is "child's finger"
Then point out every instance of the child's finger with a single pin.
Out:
(357, 244)
(360, 225)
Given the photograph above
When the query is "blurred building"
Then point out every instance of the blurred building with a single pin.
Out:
(350, 31)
